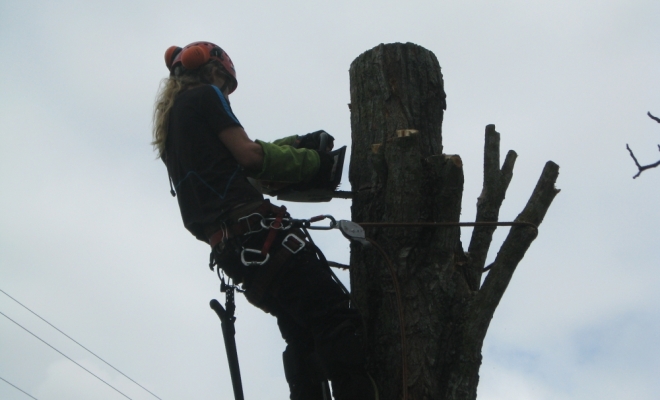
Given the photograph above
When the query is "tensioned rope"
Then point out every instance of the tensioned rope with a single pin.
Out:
(76, 342)
(441, 224)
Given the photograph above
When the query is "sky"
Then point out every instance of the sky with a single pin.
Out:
(92, 241)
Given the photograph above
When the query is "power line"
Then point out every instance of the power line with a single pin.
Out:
(17, 388)
(72, 339)
(67, 357)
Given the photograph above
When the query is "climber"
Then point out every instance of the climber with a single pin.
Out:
(209, 158)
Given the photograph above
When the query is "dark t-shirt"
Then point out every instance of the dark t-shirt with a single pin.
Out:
(208, 181)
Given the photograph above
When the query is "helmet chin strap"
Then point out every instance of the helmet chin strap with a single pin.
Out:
(226, 80)
(224, 87)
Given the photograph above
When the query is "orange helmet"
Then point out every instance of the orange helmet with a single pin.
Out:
(197, 54)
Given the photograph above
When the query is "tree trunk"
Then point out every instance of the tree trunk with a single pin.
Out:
(399, 174)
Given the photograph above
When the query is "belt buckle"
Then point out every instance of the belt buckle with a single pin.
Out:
(296, 238)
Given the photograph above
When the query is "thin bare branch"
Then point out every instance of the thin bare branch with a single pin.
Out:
(642, 168)
(656, 119)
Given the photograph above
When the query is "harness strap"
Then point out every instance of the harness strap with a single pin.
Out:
(275, 262)
(241, 226)
(272, 232)
(275, 266)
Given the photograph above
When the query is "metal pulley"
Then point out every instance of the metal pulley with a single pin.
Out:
(352, 231)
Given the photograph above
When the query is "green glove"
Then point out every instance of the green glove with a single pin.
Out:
(287, 141)
(287, 164)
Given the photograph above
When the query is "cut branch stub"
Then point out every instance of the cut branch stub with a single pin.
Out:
(514, 247)
(496, 182)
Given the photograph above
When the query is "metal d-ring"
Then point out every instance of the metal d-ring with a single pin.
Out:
(268, 223)
(295, 238)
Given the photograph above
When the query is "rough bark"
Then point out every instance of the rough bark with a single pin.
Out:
(399, 174)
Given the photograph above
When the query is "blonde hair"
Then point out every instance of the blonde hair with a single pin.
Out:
(170, 88)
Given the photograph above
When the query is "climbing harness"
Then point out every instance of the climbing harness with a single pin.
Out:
(291, 244)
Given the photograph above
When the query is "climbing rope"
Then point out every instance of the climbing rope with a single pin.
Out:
(442, 224)
(402, 328)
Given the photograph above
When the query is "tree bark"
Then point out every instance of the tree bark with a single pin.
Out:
(399, 174)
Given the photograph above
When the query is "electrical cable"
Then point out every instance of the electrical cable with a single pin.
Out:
(17, 388)
(73, 340)
(67, 357)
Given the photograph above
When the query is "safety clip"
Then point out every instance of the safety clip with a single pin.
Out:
(332, 225)
(253, 251)
(247, 221)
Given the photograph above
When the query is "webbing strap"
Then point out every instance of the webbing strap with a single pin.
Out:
(272, 232)
(277, 265)
(237, 226)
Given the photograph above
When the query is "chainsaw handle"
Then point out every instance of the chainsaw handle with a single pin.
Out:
(324, 138)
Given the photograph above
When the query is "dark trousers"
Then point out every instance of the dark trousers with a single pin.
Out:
(322, 333)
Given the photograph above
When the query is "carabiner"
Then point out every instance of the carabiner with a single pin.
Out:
(247, 220)
(333, 223)
(248, 263)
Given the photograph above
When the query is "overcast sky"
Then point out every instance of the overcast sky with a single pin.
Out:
(91, 239)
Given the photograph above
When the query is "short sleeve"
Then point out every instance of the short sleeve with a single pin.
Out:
(219, 114)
